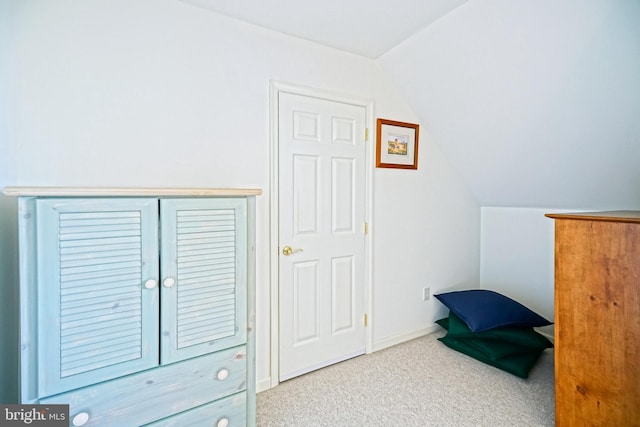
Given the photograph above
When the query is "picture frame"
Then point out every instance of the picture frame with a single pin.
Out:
(396, 144)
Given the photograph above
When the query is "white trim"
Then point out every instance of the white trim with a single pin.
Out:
(277, 87)
(399, 339)
(263, 385)
(274, 216)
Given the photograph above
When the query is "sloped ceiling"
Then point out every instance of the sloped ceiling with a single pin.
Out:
(535, 103)
(364, 27)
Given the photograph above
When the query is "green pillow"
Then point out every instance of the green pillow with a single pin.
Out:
(443, 323)
(524, 337)
(519, 365)
(496, 349)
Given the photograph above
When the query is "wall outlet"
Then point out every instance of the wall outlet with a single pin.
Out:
(426, 294)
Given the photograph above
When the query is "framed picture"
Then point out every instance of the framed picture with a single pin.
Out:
(396, 144)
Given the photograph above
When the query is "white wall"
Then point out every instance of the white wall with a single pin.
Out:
(517, 258)
(161, 93)
(535, 102)
(426, 234)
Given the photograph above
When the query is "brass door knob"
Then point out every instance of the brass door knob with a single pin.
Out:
(288, 250)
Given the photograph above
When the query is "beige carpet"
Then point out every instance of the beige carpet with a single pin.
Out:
(418, 383)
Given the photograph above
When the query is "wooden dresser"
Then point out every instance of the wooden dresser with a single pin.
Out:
(137, 305)
(597, 318)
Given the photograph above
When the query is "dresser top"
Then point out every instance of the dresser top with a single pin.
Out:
(128, 191)
(611, 216)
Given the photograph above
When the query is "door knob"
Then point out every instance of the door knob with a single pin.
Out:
(288, 250)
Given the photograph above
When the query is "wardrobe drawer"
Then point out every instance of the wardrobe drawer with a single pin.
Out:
(228, 412)
(158, 393)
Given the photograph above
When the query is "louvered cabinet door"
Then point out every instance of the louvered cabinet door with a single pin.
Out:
(96, 318)
(203, 276)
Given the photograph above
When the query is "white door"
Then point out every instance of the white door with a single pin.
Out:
(321, 232)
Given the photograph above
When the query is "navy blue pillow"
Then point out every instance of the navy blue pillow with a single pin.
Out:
(482, 310)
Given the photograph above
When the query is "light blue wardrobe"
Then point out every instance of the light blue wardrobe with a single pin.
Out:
(137, 305)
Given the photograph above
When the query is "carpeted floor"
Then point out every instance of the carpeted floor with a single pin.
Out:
(418, 383)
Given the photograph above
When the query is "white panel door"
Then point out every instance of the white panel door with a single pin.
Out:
(321, 227)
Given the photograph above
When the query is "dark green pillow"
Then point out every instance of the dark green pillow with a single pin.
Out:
(519, 365)
(443, 323)
(525, 337)
(496, 349)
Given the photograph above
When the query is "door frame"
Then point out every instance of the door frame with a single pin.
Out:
(275, 89)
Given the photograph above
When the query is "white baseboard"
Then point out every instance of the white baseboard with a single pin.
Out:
(399, 339)
(263, 384)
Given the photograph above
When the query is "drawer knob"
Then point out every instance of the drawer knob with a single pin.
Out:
(222, 374)
(80, 419)
(169, 282)
(150, 284)
(224, 422)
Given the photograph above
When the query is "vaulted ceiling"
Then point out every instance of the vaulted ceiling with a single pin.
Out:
(364, 27)
(535, 103)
